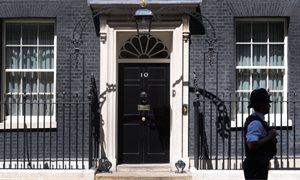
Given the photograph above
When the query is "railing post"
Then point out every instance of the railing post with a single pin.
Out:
(76, 130)
(294, 129)
(24, 133)
(90, 131)
(196, 131)
(4, 131)
(63, 130)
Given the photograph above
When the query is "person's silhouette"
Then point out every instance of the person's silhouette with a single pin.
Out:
(260, 139)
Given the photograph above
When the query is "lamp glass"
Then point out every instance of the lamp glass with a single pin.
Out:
(143, 19)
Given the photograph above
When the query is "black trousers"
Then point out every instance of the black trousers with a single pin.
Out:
(256, 168)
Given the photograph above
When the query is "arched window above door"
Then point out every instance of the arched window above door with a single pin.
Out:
(144, 47)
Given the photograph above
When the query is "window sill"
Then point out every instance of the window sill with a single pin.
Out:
(30, 123)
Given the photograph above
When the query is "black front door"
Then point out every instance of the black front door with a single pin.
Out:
(144, 113)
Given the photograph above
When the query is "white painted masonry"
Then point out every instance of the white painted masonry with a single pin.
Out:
(89, 174)
(40, 174)
(179, 71)
(238, 174)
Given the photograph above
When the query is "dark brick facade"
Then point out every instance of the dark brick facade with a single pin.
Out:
(217, 76)
(69, 76)
(220, 75)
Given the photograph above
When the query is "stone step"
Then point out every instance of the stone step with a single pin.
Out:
(144, 168)
(143, 172)
(143, 176)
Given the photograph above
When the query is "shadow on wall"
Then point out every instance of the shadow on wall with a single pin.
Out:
(109, 88)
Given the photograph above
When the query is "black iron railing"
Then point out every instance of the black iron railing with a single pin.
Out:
(47, 134)
(65, 135)
(218, 132)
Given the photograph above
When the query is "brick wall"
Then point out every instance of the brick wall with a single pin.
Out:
(70, 74)
(219, 76)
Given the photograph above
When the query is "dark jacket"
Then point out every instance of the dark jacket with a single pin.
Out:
(267, 150)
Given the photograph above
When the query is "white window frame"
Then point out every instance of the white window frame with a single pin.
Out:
(273, 119)
(32, 122)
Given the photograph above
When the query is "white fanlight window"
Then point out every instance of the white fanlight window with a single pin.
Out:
(261, 62)
(28, 68)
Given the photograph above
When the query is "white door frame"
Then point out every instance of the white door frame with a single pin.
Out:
(179, 93)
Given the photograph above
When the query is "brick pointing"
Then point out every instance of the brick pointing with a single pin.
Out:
(219, 76)
(67, 14)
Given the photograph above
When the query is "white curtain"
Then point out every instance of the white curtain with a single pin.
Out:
(276, 79)
(259, 78)
(46, 82)
(29, 82)
(243, 79)
(46, 58)
(242, 102)
(243, 55)
(29, 58)
(259, 55)
(13, 82)
(13, 58)
(276, 55)
(277, 104)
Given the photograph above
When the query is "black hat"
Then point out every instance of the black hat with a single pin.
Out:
(258, 97)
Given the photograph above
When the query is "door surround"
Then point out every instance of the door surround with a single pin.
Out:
(179, 93)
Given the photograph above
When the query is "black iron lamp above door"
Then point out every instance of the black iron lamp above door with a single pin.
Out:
(143, 18)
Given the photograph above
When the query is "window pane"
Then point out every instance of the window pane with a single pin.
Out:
(276, 55)
(29, 58)
(46, 82)
(13, 58)
(46, 58)
(259, 79)
(243, 55)
(46, 34)
(31, 107)
(46, 105)
(14, 105)
(276, 31)
(277, 104)
(259, 55)
(276, 79)
(243, 79)
(242, 102)
(260, 32)
(13, 82)
(13, 34)
(243, 32)
(29, 82)
(29, 34)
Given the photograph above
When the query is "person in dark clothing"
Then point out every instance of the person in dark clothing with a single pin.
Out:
(260, 139)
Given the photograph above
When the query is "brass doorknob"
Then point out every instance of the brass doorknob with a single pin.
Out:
(143, 119)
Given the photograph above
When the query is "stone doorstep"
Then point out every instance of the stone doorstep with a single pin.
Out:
(143, 175)
(144, 168)
(143, 171)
